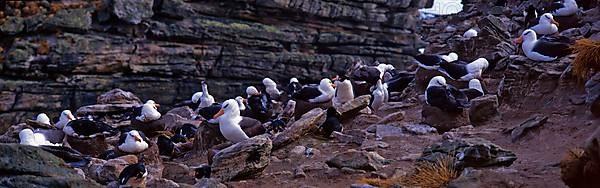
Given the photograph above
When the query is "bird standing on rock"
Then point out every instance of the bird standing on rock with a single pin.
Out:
(271, 88)
(229, 121)
(380, 96)
(343, 92)
(332, 123)
(444, 96)
(205, 99)
(136, 171)
(324, 92)
(149, 112)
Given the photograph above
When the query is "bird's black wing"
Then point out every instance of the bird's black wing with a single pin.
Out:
(144, 137)
(472, 93)
(367, 74)
(209, 111)
(459, 97)
(122, 137)
(127, 173)
(429, 59)
(399, 82)
(306, 93)
(454, 70)
(552, 47)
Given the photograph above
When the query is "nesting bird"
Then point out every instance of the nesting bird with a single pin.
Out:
(86, 128)
(565, 8)
(475, 90)
(433, 61)
(133, 142)
(464, 72)
(444, 96)
(28, 137)
(149, 112)
(545, 48)
(240, 101)
(229, 121)
(547, 25)
(65, 117)
(324, 92)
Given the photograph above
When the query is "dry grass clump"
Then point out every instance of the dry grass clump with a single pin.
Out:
(425, 175)
(587, 60)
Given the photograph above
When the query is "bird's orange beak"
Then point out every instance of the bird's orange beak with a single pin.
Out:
(519, 40)
(71, 117)
(219, 114)
(333, 85)
(156, 106)
(137, 138)
(555, 22)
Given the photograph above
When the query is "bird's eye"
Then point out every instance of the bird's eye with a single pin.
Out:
(226, 105)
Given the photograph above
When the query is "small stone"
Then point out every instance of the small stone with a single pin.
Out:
(133, 11)
(362, 160)
(347, 170)
(388, 131)
(209, 183)
(361, 186)
(392, 118)
(577, 100)
(419, 129)
(161, 182)
(299, 173)
(298, 150)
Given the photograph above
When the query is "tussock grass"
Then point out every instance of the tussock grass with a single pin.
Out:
(425, 175)
(587, 60)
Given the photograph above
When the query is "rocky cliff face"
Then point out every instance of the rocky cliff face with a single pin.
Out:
(61, 55)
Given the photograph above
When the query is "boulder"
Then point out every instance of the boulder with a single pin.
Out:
(152, 160)
(176, 9)
(242, 160)
(103, 109)
(362, 121)
(474, 178)
(483, 109)
(71, 19)
(105, 172)
(470, 152)
(521, 129)
(12, 26)
(359, 160)
(309, 122)
(89, 146)
(133, 11)
(443, 121)
(392, 118)
(185, 112)
(351, 138)
(28, 166)
(209, 183)
(161, 182)
(595, 107)
(371, 145)
(178, 172)
(118, 96)
(350, 109)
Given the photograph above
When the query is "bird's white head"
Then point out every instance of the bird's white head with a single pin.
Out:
(66, 115)
(475, 84)
(196, 97)
(240, 101)
(453, 56)
(481, 63)
(292, 80)
(326, 85)
(269, 83)
(152, 104)
(43, 118)
(526, 37)
(437, 81)
(252, 91)
(135, 135)
(229, 108)
(548, 19)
